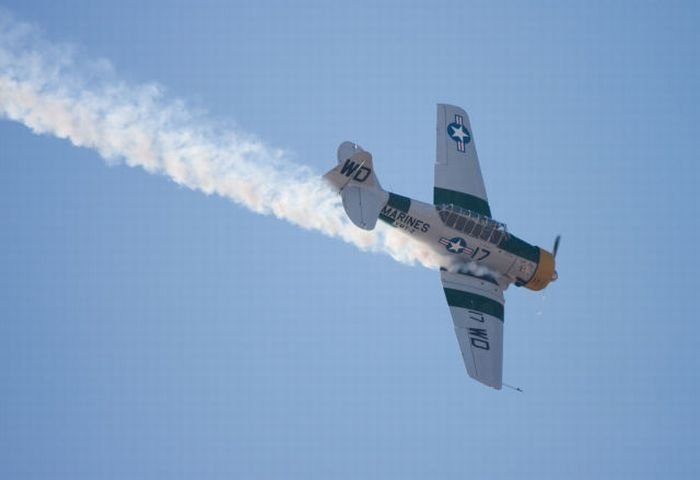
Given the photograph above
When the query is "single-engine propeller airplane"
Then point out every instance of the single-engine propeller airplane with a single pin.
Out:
(480, 257)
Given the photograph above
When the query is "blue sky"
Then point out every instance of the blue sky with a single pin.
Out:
(149, 330)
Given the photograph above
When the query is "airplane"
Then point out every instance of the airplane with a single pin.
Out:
(479, 257)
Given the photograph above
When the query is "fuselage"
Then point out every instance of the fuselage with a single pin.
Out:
(470, 242)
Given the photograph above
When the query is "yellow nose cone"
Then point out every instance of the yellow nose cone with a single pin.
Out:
(544, 272)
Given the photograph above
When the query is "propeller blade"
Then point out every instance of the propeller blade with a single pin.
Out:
(556, 246)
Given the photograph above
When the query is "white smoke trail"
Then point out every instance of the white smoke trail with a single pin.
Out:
(50, 90)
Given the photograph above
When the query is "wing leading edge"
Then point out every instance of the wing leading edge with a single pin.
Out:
(476, 306)
(458, 177)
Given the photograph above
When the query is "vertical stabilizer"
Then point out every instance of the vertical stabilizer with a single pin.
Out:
(354, 179)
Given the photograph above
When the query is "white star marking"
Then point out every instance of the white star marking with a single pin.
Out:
(458, 132)
(455, 246)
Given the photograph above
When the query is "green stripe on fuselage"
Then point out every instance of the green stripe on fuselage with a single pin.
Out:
(472, 301)
(443, 196)
(521, 248)
(399, 202)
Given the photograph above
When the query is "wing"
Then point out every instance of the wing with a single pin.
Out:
(476, 306)
(457, 173)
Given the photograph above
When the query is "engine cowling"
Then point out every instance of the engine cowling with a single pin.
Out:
(544, 273)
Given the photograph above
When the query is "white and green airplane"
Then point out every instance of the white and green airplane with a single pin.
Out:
(479, 257)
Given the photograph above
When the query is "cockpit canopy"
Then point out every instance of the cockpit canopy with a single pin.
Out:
(472, 223)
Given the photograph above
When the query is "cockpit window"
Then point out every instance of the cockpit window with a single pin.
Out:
(486, 233)
(451, 220)
(477, 230)
(472, 223)
(469, 226)
(496, 236)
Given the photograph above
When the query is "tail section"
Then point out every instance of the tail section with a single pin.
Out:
(354, 179)
(354, 166)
